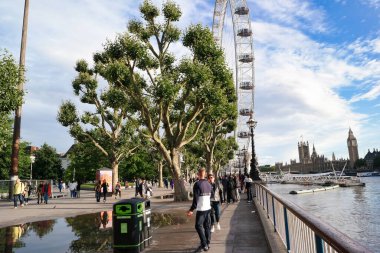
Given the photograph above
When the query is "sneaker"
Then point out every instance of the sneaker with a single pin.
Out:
(15, 207)
(212, 229)
(218, 226)
(202, 249)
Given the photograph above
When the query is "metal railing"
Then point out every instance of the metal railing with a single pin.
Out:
(300, 231)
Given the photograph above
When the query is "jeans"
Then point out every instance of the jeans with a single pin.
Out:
(237, 194)
(39, 197)
(203, 227)
(215, 212)
(97, 195)
(15, 198)
(249, 193)
(46, 197)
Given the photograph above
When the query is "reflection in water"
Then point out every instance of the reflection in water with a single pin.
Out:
(91, 232)
(352, 210)
(84, 233)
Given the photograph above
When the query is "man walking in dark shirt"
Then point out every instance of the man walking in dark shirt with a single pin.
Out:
(202, 203)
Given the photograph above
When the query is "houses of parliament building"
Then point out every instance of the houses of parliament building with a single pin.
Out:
(315, 163)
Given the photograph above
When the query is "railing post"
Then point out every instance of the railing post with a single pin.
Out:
(274, 215)
(266, 195)
(318, 244)
(286, 229)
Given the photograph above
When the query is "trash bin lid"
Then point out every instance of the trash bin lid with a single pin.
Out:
(128, 207)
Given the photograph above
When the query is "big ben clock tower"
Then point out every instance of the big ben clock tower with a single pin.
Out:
(352, 145)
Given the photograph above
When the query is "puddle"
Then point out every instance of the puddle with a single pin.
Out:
(80, 234)
(168, 219)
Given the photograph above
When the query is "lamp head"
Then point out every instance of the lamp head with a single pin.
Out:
(251, 123)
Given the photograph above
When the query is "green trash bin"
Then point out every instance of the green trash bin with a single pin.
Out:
(128, 225)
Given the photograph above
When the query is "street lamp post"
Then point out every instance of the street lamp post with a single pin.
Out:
(254, 172)
(32, 159)
(245, 160)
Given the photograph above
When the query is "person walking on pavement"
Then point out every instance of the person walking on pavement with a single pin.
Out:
(46, 191)
(215, 203)
(39, 192)
(118, 190)
(225, 186)
(137, 186)
(98, 190)
(202, 203)
(17, 191)
(105, 190)
(248, 187)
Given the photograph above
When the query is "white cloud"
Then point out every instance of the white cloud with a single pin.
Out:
(296, 92)
(372, 3)
(293, 13)
(372, 94)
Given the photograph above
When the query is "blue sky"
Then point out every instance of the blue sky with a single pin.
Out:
(317, 66)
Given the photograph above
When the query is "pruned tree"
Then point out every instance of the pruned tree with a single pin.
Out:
(221, 121)
(110, 127)
(169, 93)
(11, 96)
(224, 152)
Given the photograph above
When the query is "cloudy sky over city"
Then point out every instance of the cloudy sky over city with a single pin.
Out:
(317, 66)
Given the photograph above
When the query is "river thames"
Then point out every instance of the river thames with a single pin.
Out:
(353, 210)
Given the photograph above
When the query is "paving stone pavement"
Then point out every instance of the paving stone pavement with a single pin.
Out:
(241, 228)
(241, 231)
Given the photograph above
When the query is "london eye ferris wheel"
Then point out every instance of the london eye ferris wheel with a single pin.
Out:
(244, 63)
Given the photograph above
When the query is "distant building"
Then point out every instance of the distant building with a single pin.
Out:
(31, 149)
(65, 158)
(303, 152)
(370, 157)
(352, 146)
(313, 163)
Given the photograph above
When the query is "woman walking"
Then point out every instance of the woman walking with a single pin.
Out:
(105, 190)
(215, 203)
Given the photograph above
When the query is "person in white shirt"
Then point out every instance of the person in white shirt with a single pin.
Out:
(248, 183)
(202, 203)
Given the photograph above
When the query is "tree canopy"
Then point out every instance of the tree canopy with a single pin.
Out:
(11, 96)
(109, 126)
(47, 164)
(168, 93)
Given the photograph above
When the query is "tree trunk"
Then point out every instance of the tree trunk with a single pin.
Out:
(17, 122)
(160, 179)
(115, 174)
(209, 161)
(180, 192)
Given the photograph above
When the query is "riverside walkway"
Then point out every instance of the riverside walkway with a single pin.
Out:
(241, 227)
